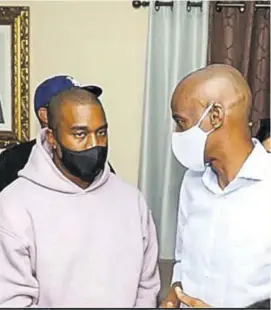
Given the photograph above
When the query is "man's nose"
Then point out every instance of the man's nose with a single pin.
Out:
(92, 140)
(177, 128)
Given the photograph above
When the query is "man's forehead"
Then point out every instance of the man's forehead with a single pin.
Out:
(186, 102)
(82, 108)
(90, 115)
(194, 95)
(204, 88)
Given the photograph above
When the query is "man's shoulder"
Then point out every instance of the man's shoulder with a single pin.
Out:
(13, 197)
(16, 154)
(192, 180)
(12, 160)
(262, 167)
(124, 186)
(129, 193)
(14, 213)
(15, 191)
(22, 148)
(192, 176)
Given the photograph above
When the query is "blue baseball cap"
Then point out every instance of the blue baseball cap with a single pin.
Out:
(55, 85)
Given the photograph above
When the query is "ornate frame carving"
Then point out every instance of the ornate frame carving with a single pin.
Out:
(17, 17)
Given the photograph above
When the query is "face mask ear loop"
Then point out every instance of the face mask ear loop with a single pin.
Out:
(203, 116)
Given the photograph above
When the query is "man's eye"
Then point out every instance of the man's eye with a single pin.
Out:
(102, 133)
(80, 135)
(179, 125)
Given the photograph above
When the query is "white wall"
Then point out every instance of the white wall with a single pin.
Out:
(100, 42)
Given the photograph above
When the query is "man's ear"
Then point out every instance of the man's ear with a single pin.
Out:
(50, 138)
(217, 115)
(42, 115)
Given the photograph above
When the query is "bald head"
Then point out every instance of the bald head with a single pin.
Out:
(217, 99)
(76, 96)
(215, 102)
(218, 83)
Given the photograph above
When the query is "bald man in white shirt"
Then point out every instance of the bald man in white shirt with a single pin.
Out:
(223, 243)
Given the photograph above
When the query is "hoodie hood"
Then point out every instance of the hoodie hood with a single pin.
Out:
(40, 169)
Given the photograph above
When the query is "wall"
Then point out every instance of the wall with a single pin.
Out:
(100, 42)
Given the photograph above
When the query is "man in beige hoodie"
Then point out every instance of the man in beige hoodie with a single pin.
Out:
(72, 234)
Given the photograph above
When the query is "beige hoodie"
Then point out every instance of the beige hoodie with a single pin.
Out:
(63, 246)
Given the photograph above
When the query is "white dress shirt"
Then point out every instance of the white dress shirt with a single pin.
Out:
(223, 245)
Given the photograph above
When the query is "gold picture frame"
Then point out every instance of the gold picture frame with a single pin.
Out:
(14, 79)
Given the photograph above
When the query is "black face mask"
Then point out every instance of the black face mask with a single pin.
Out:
(86, 164)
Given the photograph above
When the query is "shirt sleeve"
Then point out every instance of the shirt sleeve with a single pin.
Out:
(179, 237)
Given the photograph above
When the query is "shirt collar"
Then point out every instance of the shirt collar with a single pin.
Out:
(254, 168)
(255, 165)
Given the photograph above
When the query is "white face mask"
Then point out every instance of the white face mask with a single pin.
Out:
(189, 146)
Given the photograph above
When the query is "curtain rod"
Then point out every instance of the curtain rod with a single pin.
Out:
(157, 4)
(241, 5)
(198, 4)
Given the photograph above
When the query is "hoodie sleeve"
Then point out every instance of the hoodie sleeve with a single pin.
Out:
(18, 286)
(149, 284)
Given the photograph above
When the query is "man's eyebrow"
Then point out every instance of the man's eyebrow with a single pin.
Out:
(105, 126)
(78, 127)
(86, 128)
(177, 117)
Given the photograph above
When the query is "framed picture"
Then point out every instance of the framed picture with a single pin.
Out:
(14, 75)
